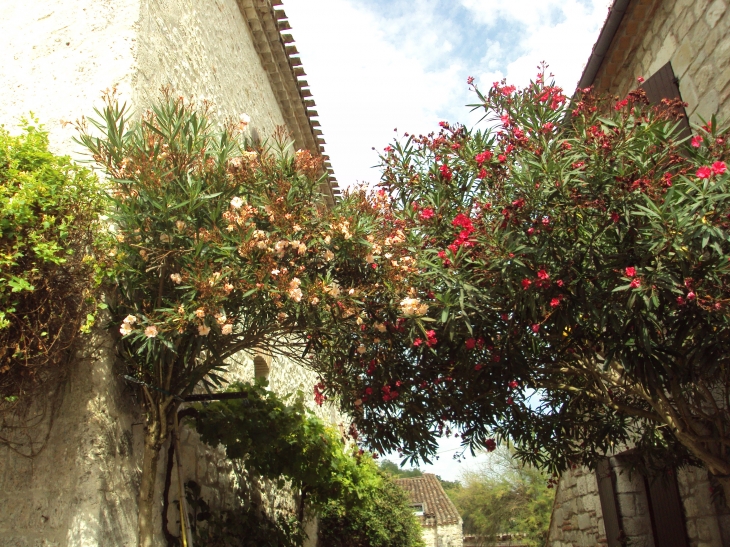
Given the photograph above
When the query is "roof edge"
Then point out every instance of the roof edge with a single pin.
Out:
(615, 15)
(280, 59)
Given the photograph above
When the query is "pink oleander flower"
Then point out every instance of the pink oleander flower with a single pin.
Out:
(151, 331)
(227, 329)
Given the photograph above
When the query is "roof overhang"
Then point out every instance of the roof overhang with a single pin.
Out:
(615, 15)
(280, 59)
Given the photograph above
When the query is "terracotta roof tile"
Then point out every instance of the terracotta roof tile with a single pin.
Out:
(428, 491)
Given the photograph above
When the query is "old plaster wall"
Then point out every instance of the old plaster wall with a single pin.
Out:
(70, 475)
(203, 49)
(80, 489)
(693, 34)
(59, 55)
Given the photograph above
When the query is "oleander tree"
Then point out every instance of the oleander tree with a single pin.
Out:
(565, 287)
(221, 247)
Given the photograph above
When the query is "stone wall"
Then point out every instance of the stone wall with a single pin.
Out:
(449, 535)
(693, 34)
(706, 519)
(79, 485)
(59, 55)
(577, 519)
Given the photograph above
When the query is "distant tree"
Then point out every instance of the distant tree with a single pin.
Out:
(397, 471)
(505, 496)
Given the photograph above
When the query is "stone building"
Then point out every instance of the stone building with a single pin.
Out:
(682, 49)
(70, 465)
(440, 520)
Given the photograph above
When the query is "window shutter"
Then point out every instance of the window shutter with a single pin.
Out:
(664, 85)
(260, 367)
(665, 508)
(609, 503)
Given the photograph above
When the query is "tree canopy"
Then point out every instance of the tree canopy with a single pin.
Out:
(565, 286)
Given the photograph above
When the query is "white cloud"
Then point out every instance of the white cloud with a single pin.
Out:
(559, 32)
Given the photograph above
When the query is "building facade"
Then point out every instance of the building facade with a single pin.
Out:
(440, 521)
(70, 463)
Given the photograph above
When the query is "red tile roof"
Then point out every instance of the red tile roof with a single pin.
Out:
(428, 491)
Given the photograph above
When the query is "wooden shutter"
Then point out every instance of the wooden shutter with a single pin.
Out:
(260, 367)
(665, 508)
(664, 85)
(609, 503)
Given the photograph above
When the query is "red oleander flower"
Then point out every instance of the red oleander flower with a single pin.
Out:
(426, 213)
(554, 303)
(513, 384)
(542, 274)
(636, 282)
(417, 342)
(471, 343)
(697, 141)
(490, 445)
(535, 327)
(446, 172)
(630, 271)
(483, 156)
(704, 173)
(719, 167)
(526, 284)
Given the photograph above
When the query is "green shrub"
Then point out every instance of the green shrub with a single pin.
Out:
(378, 516)
(48, 211)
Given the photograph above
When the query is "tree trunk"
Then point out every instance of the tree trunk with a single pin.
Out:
(155, 436)
(145, 523)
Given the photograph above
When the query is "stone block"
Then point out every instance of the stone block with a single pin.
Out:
(682, 58)
(683, 26)
(627, 503)
(708, 105)
(692, 530)
(689, 93)
(714, 12)
(700, 7)
(636, 526)
(665, 53)
(584, 521)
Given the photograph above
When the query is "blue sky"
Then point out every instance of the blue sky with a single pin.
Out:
(376, 65)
